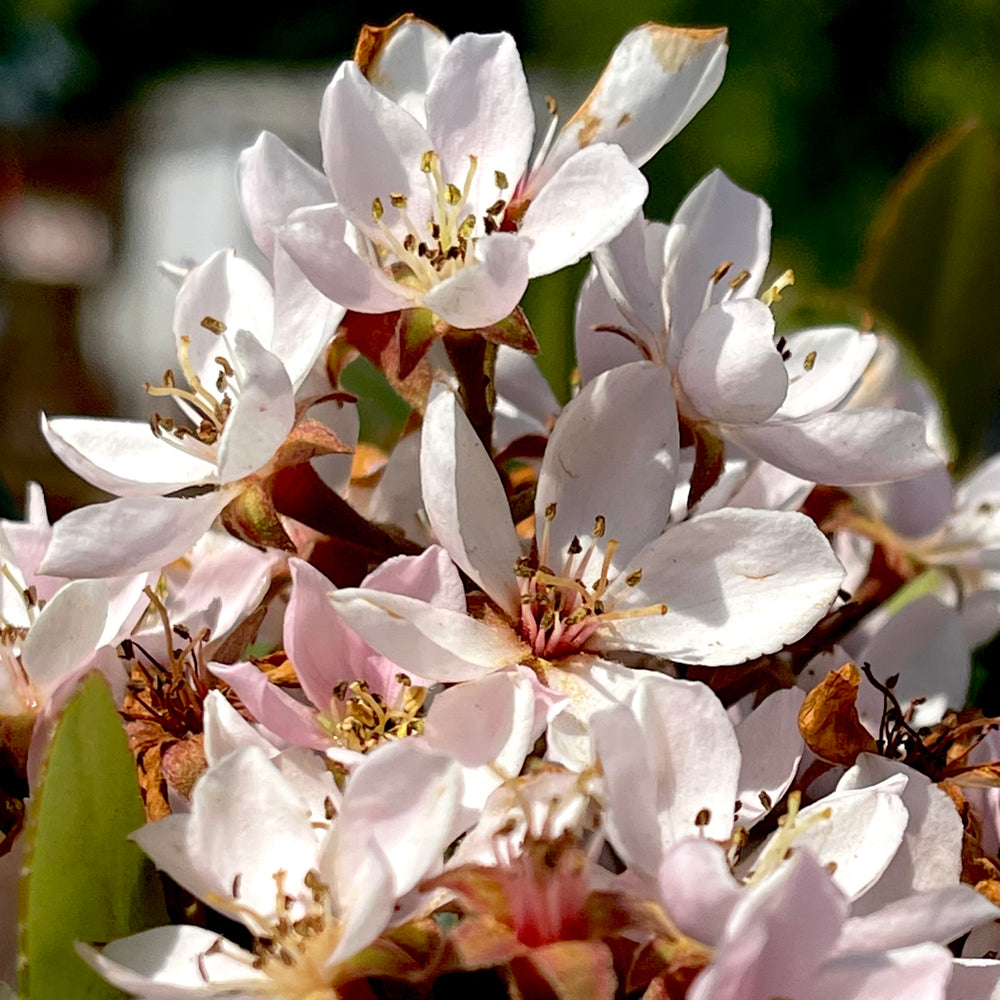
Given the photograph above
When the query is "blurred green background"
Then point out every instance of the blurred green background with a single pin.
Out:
(822, 106)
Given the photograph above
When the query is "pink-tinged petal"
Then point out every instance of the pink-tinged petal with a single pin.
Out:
(123, 457)
(228, 289)
(304, 319)
(698, 889)
(631, 267)
(65, 633)
(262, 414)
(315, 239)
(273, 182)
(716, 223)
(918, 973)
(478, 105)
(167, 963)
(930, 856)
(323, 649)
(770, 748)
(406, 798)
(245, 820)
(429, 577)
(656, 81)
(629, 789)
(938, 915)
(488, 288)
(225, 580)
(406, 63)
(466, 503)
(849, 448)
(729, 369)
(226, 730)
(435, 643)
(372, 149)
(489, 726)
(722, 575)
(588, 202)
(599, 345)
(597, 464)
(796, 916)
(824, 365)
(272, 707)
(130, 535)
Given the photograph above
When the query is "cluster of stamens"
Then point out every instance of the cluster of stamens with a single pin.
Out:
(207, 411)
(294, 946)
(365, 719)
(427, 256)
(559, 612)
(782, 843)
(173, 693)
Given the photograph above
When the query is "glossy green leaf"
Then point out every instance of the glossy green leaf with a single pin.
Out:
(83, 880)
(932, 269)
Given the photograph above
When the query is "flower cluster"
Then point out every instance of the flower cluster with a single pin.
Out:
(590, 701)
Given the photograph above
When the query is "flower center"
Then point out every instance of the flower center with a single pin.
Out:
(363, 718)
(293, 947)
(208, 412)
(559, 612)
(423, 256)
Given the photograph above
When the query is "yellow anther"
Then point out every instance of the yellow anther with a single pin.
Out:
(773, 294)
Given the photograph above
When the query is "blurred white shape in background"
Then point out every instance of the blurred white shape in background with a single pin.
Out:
(180, 205)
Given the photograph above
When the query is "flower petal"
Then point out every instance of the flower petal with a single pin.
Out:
(406, 61)
(588, 201)
(478, 105)
(316, 240)
(770, 748)
(716, 223)
(273, 182)
(598, 463)
(848, 448)
(228, 289)
(170, 963)
(435, 643)
(729, 369)
(66, 632)
(824, 364)
(718, 574)
(262, 414)
(129, 535)
(656, 81)
(465, 501)
(123, 457)
(488, 288)
(372, 149)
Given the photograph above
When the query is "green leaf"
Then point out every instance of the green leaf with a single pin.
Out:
(83, 880)
(933, 266)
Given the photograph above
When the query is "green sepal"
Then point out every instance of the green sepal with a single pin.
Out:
(83, 879)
